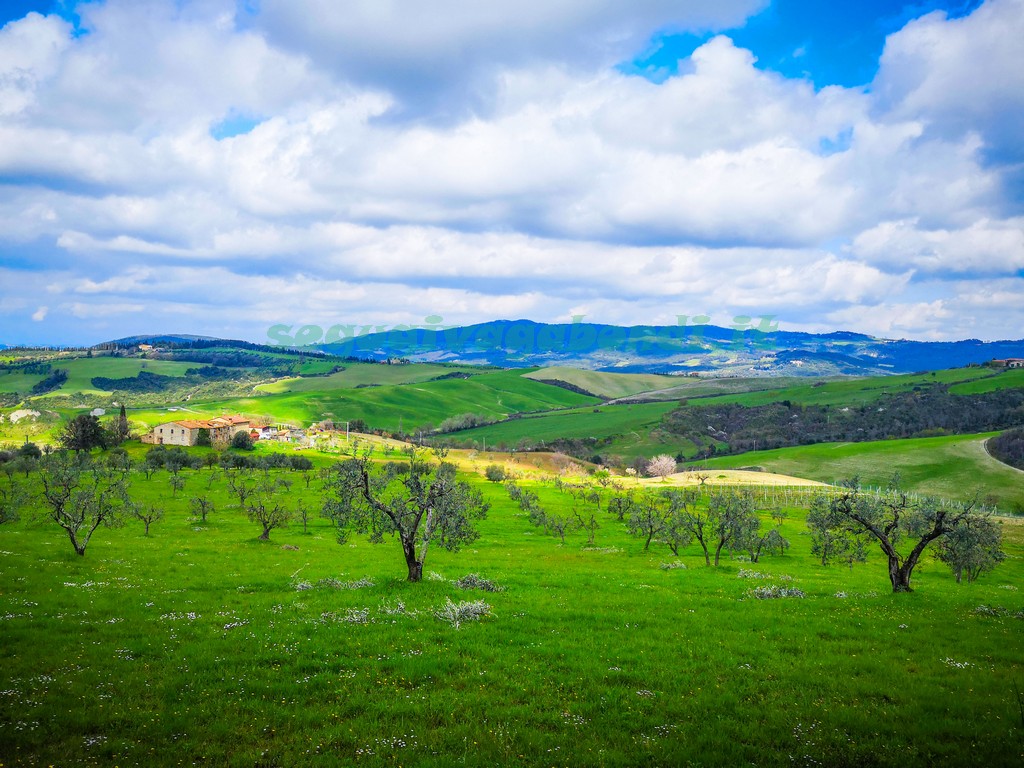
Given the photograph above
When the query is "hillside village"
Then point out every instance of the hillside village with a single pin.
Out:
(219, 432)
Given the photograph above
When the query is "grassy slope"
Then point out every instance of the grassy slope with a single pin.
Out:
(496, 395)
(953, 467)
(856, 391)
(16, 381)
(608, 385)
(631, 425)
(656, 387)
(1006, 379)
(193, 645)
(81, 371)
(363, 374)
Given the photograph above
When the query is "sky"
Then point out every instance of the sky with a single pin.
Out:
(219, 168)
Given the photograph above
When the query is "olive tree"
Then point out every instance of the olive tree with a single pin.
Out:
(201, 506)
(421, 502)
(264, 506)
(12, 498)
(972, 548)
(732, 516)
(147, 514)
(80, 498)
(902, 527)
(648, 518)
(832, 539)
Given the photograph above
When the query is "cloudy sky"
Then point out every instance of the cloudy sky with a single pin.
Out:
(219, 167)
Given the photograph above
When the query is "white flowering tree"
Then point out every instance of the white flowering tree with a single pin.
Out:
(661, 466)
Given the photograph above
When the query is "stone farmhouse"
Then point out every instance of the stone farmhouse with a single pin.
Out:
(187, 431)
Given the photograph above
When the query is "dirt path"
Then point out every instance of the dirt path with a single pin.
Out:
(983, 446)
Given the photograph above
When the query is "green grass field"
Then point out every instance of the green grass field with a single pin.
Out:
(364, 375)
(81, 371)
(656, 387)
(1009, 378)
(609, 385)
(854, 391)
(952, 467)
(194, 646)
(632, 426)
(16, 381)
(494, 394)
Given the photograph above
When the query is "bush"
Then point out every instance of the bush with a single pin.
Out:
(30, 451)
(472, 581)
(456, 613)
(495, 473)
(242, 441)
(774, 591)
(300, 463)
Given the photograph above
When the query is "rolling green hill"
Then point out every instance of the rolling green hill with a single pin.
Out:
(649, 386)
(855, 391)
(413, 406)
(81, 371)
(581, 423)
(356, 375)
(953, 467)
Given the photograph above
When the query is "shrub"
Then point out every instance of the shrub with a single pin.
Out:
(473, 581)
(30, 451)
(242, 441)
(495, 473)
(772, 591)
(456, 613)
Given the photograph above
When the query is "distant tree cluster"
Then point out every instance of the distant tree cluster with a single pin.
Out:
(464, 421)
(931, 410)
(1009, 447)
(55, 380)
(146, 381)
(174, 459)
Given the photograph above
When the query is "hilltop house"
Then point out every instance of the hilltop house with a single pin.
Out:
(187, 431)
(1010, 362)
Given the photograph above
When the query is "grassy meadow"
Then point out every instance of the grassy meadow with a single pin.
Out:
(200, 645)
(952, 466)
(414, 405)
(357, 375)
(659, 387)
(630, 425)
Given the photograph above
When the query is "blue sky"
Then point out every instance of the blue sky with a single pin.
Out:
(216, 167)
(827, 43)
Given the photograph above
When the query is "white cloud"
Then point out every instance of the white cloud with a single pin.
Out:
(445, 53)
(960, 76)
(86, 311)
(30, 52)
(985, 247)
(40, 314)
(725, 189)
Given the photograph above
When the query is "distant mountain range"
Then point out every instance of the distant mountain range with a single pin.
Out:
(647, 349)
(162, 338)
(670, 349)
